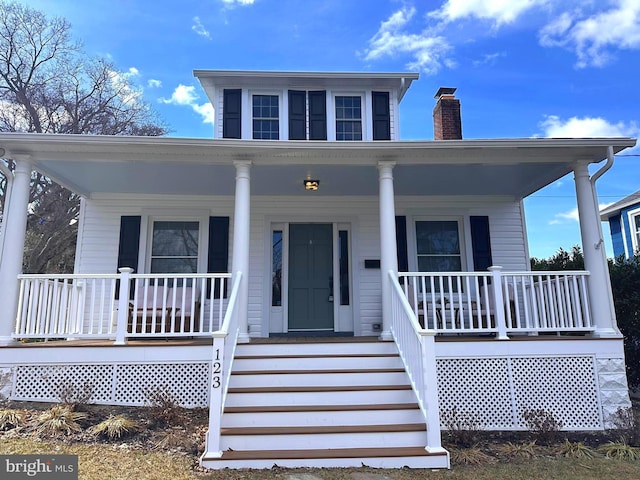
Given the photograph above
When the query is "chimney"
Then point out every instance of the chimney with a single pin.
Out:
(447, 124)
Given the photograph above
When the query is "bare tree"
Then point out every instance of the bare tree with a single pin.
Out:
(47, 85)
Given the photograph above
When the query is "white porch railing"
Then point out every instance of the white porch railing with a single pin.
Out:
(417, 350)
(224, 348)
(120, 306)
(529, 302)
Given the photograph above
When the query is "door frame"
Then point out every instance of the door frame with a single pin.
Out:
(275, 319)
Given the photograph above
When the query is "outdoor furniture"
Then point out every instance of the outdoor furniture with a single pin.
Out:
(162, 309)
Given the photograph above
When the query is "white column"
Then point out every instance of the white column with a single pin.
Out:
(12, 254)
(595, 260)
(240, 258)
(388, 247)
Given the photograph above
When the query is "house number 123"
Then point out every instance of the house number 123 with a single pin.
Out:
(217, 370)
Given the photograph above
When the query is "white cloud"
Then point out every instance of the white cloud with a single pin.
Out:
(199, 28)
(594, 37)
(121, 81)
(153, 83)
(233, 3)
(498, 11)
(427, 48)
(571, 215)
(586, 127)
(489, 59)
(185, 95)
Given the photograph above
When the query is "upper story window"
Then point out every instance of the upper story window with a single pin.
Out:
(348, 117)
(636, 231)
(174, 247)
(266, 117)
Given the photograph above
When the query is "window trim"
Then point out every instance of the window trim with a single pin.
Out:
(277, 94)
(634, 232)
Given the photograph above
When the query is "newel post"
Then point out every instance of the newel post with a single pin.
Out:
(498, 302)
(216, 387)
(123, 305)
(432, 405)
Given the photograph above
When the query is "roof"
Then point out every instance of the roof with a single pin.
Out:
(615, 208)
(256, 78)
(91, 165)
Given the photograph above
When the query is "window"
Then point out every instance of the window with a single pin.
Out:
(636, 230)
(266, 124)
(349, 118)
(174, 247)
(438, 246)
(276, 269)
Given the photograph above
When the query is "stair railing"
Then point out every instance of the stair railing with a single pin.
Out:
(416, 346)
(225, 341)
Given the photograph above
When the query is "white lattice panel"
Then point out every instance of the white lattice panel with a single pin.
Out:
(186, 382)
(477, 387)
(496, 391)
(50, 382)
(565, 386)
(119, 384)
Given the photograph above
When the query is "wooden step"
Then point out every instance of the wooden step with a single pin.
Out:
(340, 388)
(311, 430)
(324, 453)
(319, 371)
(319, 408)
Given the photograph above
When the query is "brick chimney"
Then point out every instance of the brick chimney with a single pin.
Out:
(447, 124)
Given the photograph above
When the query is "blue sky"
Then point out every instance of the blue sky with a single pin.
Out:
(523, 68)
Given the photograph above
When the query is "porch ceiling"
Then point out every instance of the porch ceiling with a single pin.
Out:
(98, 164)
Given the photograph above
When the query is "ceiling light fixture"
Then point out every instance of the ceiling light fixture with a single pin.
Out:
(311, 184)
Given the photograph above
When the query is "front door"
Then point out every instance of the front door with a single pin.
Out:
(310, 277)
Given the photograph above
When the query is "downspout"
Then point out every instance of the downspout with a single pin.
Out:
(7, 199)
(593, 180)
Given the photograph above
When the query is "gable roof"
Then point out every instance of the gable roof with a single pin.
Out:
(614, 209)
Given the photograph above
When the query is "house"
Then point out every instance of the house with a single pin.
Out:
(360, 290)
(624, 222)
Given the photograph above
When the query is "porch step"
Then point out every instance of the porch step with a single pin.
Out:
(326, 405)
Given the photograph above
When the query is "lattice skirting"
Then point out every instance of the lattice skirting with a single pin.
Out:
(495, 392)
(114, 384)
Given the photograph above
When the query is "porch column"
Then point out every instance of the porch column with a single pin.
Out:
(240, 257)
(595, 260)
(11, 261)
(388, 247)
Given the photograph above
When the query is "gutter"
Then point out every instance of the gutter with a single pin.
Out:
(593, 180)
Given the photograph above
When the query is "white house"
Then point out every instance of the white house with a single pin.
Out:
(358, 288)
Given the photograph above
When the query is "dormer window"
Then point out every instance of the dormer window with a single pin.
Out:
(348, 117)
(266, 117)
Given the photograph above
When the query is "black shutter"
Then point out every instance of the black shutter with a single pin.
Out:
(232, 113)
(318, 115)
(481, 243)
(401, 244)
(381, 116)
(297, 115)
(129, 249)
(218, 259)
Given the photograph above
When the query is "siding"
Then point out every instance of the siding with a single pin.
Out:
(98, 250)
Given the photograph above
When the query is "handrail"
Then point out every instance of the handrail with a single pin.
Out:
(225, 340)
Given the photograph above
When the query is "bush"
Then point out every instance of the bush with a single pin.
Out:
(59, 419)
(542, 424)
(116, 427)
(626, 425)
(462, 427)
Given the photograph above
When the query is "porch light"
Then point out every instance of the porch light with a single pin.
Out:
(311, 184)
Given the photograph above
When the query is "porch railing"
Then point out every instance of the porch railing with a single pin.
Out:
(417, 350)
(499, 302)
(225, 341)
(120, 306)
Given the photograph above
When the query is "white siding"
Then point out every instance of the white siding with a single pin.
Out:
(98, 250)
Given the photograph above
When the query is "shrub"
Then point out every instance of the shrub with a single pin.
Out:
(115, 427)
(517, 450)
(470, 456)
(620, 451)
(10, 418)
(542, 424)
(575, 450)
(462, 427)
(164, 406)
(626, 425)
(59, 419)
(74, 395)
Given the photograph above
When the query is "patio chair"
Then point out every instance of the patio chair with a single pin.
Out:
(151, 311)
(184, 303)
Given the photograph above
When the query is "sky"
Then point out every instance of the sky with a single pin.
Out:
(523, 68)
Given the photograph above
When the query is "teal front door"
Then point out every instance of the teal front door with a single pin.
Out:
(310, 277)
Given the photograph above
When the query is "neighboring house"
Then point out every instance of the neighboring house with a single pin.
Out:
(624, 223)
(359, 289)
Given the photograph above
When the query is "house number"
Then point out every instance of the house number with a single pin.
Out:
(217, 370)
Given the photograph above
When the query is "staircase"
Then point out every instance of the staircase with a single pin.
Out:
(330, 404)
